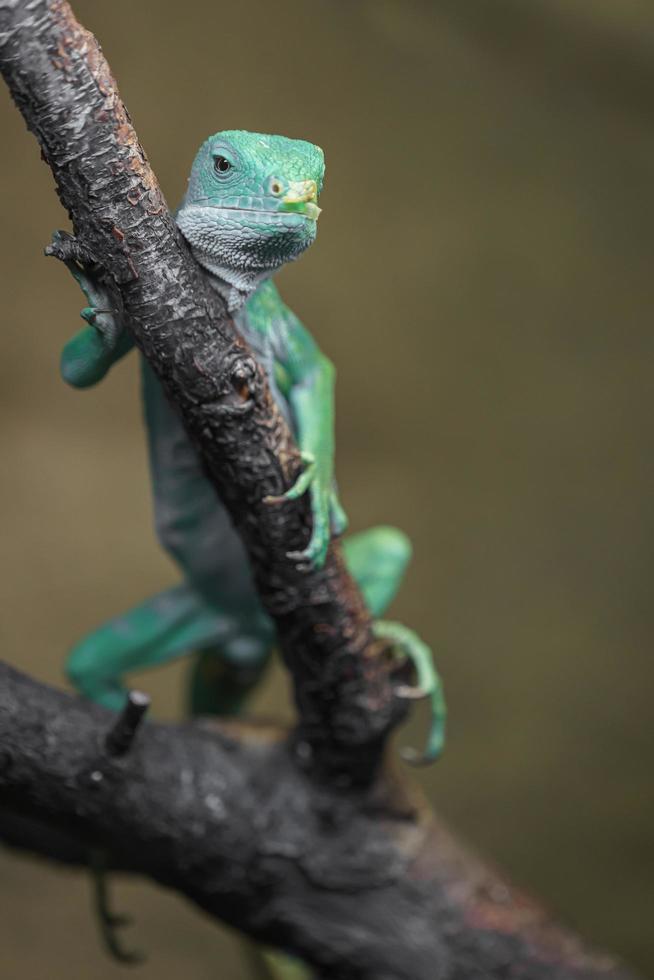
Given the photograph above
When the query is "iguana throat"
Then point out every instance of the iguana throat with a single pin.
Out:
(235, 286)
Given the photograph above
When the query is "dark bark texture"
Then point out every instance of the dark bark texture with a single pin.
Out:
(301, 839)
(364, 884)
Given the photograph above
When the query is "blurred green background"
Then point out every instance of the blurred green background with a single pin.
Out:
(483, 281)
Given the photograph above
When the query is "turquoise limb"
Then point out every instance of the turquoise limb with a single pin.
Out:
(215, 615)
(96, 295)
(377, 560)
(312, 401)
(159, 630)
(305, 377)
(85, 359)
(233, 644)
(429, 685)
(87, 356)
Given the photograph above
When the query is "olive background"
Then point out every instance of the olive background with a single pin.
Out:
(483, 280)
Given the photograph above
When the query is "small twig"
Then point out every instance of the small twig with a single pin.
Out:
(121, 735)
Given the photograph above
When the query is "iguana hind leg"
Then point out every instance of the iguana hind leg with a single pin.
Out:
(377, 559)
(169, 625)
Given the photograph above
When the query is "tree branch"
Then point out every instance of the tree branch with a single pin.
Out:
(364, 885)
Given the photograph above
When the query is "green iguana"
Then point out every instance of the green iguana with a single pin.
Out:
(251, 206)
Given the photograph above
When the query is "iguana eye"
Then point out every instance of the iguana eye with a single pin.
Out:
(221, 165)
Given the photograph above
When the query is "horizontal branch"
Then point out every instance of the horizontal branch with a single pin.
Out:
(363, 886)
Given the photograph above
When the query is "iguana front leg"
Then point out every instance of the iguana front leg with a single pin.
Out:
(87, 356)
(312, 401)
(306, 379)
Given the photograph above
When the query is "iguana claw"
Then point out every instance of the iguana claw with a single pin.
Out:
(328, 515)
(300, 486)
(429, 685)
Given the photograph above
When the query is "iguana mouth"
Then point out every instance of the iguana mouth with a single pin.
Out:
(304, 209)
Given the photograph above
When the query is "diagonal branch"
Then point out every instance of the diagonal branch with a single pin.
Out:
(62, 84)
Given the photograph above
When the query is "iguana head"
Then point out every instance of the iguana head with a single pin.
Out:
(251, 206)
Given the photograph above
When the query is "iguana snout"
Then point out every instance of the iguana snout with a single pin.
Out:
(299, 196)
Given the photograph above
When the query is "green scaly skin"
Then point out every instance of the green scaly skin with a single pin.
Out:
(250, 207)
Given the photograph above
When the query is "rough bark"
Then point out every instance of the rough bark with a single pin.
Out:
(302, 839)
(363, 884)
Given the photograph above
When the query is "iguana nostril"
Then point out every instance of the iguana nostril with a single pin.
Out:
(275, 187)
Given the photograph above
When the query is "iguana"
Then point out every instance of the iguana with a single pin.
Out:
(251, 206)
